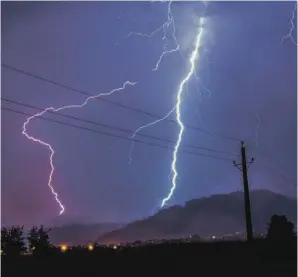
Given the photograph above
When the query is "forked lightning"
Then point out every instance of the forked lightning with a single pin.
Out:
(48, 145)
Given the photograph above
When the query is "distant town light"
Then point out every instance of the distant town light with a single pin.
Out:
(115, 247)
(213, 237)
(90, 247)
(63, 247)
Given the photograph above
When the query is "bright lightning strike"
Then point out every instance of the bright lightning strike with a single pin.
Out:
(52, 151)
(290, 33)
(194, 56)
(192, 72)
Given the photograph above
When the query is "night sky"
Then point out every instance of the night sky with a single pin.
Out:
(84, 46)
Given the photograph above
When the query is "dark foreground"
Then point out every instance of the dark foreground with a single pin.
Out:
(259, 258)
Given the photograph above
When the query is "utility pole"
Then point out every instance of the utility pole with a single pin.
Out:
(243, 168)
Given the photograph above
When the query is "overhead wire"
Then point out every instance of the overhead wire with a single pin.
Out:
(276, 169)
(117, 128)
(112, 135)
(114, 103)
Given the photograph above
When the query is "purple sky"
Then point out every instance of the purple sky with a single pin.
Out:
(83, 45)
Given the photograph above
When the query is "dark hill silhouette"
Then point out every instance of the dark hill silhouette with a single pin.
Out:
(215, 215)
(75, 234)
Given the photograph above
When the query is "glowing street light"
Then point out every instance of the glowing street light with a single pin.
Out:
(90, 247)
(63, 247)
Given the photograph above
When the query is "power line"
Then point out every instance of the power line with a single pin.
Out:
(113, 102)
(114, 135)
(277, 170)
(117, 128)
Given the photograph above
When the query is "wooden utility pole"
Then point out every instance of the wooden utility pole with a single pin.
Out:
(243, 168)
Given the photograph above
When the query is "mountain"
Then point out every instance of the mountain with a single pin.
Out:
(63, 220)
(75, 234)
(209, 216)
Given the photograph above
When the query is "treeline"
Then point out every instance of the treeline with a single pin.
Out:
(13, 238)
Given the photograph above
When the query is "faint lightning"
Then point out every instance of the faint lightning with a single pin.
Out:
(147, 35)
(145, 126)
(165, 27)
(170, 22)
(290, 33)
(52, 151)
(203, 122)
(194, 56)
(257, 129)
(199, 84)
(202, 86)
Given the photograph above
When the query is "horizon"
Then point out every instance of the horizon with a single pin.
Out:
(83, 222)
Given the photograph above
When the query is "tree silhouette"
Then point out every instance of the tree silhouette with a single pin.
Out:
(280, 229)
(4, 239)
(33, 238)
(39, 240)
(12, 240)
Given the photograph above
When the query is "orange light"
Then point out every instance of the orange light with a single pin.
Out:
(90, 247)
(63, 247)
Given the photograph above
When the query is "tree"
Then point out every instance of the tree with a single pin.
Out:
(280, 229)
(12, 240)
(4, 239)
(33, 238)
(39, 240)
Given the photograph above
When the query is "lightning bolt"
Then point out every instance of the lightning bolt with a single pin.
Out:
(200, 84)
(193, 57)
(165, 27)
(170, 22)
(192, 72)
(203, 122)
(52, 151)
(257, 129)
(145, 126)
(290, 33)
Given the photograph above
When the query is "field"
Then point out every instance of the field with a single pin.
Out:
(259, 258)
